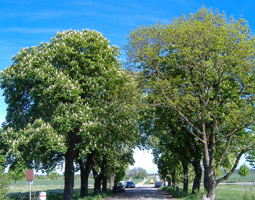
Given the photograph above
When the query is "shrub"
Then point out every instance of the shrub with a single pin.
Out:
(248, 196)
(4, 183)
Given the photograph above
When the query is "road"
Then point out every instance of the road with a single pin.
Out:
(141, 192)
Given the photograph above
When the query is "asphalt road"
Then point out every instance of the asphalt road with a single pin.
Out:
(141, 192)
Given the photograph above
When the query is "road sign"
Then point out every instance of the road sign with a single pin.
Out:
(29, 175)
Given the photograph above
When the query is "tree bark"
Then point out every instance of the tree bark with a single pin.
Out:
(186, 177)
(69, 167)
(198, 175)
(211, 184)
(69, 174)
(112, 176)
(205, 180)
(173, 177)
(104, 173)
(85, 175)
(97, 177)
(208, 164)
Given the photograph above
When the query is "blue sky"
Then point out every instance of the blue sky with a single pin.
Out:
(27, 23)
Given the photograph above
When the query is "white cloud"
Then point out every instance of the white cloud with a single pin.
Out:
(144, 159)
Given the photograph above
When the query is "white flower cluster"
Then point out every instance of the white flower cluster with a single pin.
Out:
(77, 82)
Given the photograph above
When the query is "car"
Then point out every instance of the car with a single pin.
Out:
(118, 187)
(130, 184)
(158, 184)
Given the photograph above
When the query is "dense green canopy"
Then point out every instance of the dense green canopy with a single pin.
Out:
(202, 67)
(65, 99)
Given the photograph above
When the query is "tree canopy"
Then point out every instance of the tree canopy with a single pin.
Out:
(65, 99)
(70, 101)
(244, 170)
(202, 67)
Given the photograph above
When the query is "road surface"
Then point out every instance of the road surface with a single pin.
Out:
(141, 192)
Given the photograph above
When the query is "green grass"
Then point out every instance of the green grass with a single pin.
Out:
(55, 189)
(148, 181)
(223, 192)
(235, 177)
(234, 192)
(134, 180)
(58, 195)
(49, 182)
(54, 192)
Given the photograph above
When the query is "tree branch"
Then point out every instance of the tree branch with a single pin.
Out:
(235, 165)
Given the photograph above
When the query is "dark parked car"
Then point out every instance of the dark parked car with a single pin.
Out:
(158, 184)
(130, 184)
(118, 187)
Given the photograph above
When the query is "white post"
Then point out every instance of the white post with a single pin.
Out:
(29, 190)
(204, 198)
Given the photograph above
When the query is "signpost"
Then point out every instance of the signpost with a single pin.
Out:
(30, 177)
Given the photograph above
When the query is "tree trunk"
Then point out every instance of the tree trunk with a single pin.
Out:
(112, 176)
(205, 172)
(198, 175)
(85, 175)
(186, 177)
(211, 183)
(209, 174)
(97, 177)
(104, 173)
(173, 177)
(69, 174)
(97, 184)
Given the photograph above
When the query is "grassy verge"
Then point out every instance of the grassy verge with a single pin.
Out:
(53, 193)
(223, 192)
(54, 189)
(148, 181)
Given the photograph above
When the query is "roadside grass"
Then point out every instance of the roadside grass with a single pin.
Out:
(223, 192)
(54, 190)
(54, 193)
(235, 192)
(148, 181)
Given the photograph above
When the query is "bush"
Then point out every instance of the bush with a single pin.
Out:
(172, 190)
(186, 196)
(248, 196)
(4, 183)
(95, 197)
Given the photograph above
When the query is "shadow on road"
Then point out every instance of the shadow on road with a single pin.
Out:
(141, 193)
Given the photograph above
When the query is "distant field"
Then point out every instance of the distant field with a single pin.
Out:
(51, 187)
(134, 180)
(234, 192)
(235, 177)
(49, 183)
(223, 192)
